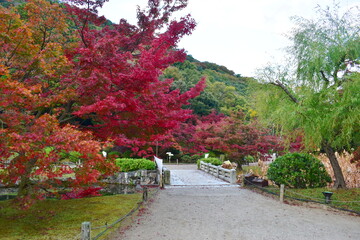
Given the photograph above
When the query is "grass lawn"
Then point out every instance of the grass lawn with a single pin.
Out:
(341, 198)
(61, 219)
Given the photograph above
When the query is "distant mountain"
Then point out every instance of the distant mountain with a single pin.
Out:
(8, 3)
(209, 65)
(225, 91)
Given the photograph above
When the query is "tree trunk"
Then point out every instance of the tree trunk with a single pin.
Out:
(339, 177)
(25, 185)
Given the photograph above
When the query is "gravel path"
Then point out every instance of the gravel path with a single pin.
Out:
(228, 212)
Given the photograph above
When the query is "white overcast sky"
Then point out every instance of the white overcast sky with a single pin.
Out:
(242, 35)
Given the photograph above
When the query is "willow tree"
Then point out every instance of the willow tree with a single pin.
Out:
(320, 98)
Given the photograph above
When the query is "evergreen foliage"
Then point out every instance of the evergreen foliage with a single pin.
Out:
(225, 92)
(190, 159)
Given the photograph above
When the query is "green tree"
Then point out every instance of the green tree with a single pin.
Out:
(184, 78)
(322, 99)
(225, 93)
(228, 97)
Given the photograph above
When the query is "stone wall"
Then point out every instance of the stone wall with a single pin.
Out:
(142, 177)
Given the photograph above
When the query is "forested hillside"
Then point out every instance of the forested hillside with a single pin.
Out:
(225, 92)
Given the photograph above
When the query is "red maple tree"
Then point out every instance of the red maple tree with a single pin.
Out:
(116, 75)
(69, 84)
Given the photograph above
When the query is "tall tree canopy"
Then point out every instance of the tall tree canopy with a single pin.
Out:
(322, 101)
(116, 74)
(70, 83)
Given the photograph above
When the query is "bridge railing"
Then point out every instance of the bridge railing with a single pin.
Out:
(228, 175)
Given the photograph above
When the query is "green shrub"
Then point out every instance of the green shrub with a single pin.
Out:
(133, 164)
(212, 160)
(189, 159)
(186, 159)
(298, 170)
(195, 158)
(249, 159)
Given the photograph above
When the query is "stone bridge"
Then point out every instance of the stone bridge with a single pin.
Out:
(189, 175)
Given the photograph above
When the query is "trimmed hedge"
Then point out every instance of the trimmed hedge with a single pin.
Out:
(298, 170)
(133, 164)
(211, 160)
(190, 159)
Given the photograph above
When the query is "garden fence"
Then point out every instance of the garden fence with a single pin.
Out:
(86, 227)
(282, 194)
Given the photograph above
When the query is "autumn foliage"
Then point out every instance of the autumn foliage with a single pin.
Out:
(116, 75)
(233, 136)
(70, 84)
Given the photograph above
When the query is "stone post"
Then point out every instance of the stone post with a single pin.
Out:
(282, 190)
(86, 231)
(145, 194)
(232, 176)
(166, 176)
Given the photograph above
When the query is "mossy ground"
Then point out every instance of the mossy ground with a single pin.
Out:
(61, 219)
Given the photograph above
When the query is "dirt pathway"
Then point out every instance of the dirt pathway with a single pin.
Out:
(227, 212)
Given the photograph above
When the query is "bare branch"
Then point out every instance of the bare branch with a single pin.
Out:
(325, 78)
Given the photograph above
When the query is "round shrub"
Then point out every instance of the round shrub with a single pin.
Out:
(211, 160)
(133, 164)
(298, 170)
